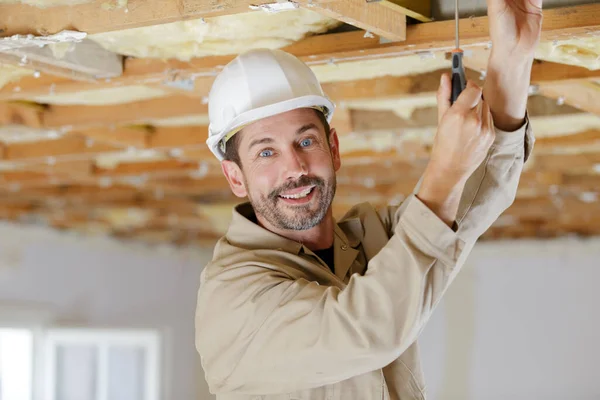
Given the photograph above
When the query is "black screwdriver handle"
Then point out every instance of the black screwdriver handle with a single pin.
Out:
(459, 81)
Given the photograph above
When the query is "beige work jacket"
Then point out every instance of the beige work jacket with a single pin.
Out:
(273, 322)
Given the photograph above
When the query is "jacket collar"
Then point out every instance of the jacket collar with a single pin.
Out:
(245, 232)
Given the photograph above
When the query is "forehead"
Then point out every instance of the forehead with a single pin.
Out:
(281, 124)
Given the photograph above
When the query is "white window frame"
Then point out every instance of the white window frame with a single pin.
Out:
(32, 359)
(103, 338)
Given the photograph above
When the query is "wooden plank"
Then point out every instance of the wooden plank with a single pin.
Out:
(101, 16)
(388, 86)
(567, 162)
(476, 58)
(72, 168)
(116, 136)
(567, 22)
(163, 167)
(589, 137)
(417, 9)
(534, 208)
(81, 117)
(582, 95)
(139, 111)
(18, 113)
(19, 176)
(178, 137)
(69, 147)
(187, 186)
(342, 121)
(374, 17)
(582, 182)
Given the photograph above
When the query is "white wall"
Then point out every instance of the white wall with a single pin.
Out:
(100, 283)
(519, 322)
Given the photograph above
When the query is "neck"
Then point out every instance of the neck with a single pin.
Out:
(316, 238)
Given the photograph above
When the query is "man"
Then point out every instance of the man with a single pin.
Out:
(297, 305)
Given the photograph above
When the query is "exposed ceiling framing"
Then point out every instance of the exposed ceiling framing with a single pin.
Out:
(126, 155)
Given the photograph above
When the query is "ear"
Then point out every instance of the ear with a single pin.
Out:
(334, 145)
(235, 177)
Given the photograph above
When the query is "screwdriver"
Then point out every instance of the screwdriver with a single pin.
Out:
(459, 80)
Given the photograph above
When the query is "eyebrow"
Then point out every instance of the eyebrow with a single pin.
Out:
(300, 131)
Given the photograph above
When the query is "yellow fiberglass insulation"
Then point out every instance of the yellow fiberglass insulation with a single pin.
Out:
(582, 52)
(230, 34)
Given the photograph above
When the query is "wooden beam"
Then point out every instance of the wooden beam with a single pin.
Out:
(567, 162)
(81, 117)
(162, 168)
(71, 147)
(18, 113)
(342, 121)
(388, 86)
(100, 16)
(96, 16)
(583, 95)
(179, 137)
(116, 136)
(559, 23)
(374, 17)
(590, 137)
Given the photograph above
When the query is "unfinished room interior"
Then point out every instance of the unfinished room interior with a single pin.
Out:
(111, 202)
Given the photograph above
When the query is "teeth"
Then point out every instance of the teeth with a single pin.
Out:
(297, 195)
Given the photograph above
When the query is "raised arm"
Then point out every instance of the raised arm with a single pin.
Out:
(515, 28)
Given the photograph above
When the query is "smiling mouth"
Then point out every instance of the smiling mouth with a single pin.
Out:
(299, 195)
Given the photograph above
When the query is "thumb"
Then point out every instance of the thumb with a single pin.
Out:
(443, 95)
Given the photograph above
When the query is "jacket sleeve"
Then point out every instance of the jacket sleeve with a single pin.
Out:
(260, 331)
(491, 189)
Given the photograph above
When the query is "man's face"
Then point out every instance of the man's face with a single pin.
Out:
(287, 169)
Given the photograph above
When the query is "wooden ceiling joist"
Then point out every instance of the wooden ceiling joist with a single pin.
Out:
(567, 22)
(374, 17)
(101, 16)
(77, 117)
(136, 170)
(584, 95)
(78, 146)
(81, 117)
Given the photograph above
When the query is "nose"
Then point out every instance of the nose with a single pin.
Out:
(295, 165)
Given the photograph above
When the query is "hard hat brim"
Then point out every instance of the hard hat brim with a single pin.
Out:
(248, 117)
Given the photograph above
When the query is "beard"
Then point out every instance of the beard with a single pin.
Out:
(297, 217)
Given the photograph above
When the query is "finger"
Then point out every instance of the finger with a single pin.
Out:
(443, 95)
(480, 112)
(470, 97)
(487, 126)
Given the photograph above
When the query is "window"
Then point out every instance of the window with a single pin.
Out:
(84, 364)
(16, 364)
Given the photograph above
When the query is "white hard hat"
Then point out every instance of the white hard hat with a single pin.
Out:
(257, 84)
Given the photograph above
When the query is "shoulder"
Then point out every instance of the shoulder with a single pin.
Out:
(231, 261)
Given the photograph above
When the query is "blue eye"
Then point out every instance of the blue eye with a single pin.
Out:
(266, 153)
(306, 142)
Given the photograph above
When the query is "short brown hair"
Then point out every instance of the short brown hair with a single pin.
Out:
(232, 146)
